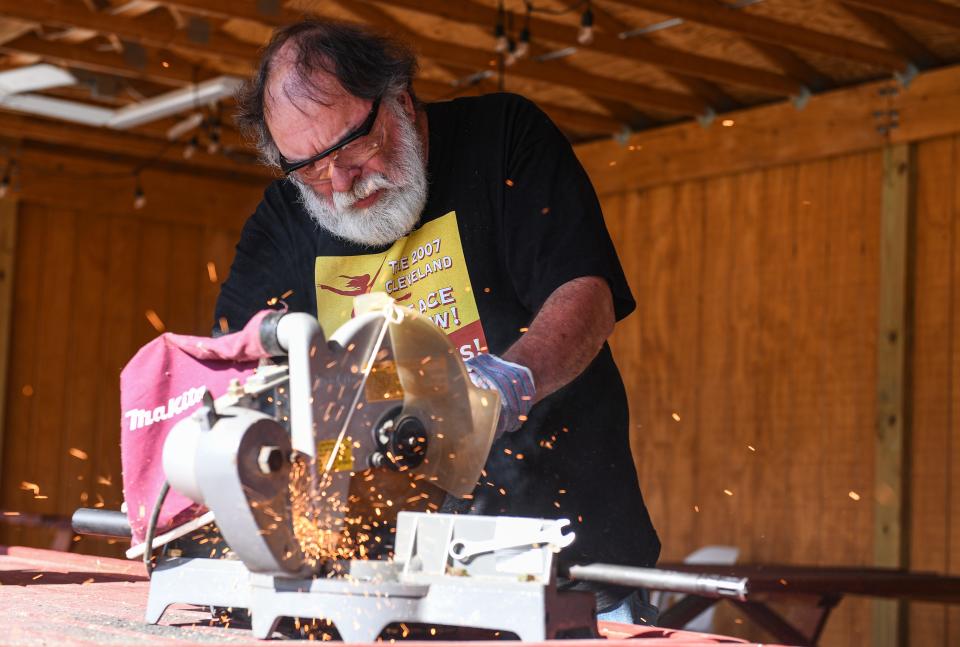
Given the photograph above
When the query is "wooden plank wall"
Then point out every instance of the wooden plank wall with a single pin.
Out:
(748, 363)
(751, 368)
(935, 483)
(88, 268)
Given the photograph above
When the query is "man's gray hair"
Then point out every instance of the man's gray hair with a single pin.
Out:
(367, 65)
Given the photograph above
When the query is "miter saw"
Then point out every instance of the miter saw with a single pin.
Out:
(323, 470)
(304, 464)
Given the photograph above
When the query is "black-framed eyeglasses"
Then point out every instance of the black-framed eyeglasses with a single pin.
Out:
(363, 130)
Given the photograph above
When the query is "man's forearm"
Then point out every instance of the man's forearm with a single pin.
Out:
(566, 334)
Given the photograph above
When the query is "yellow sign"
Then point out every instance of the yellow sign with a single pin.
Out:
(424, 271)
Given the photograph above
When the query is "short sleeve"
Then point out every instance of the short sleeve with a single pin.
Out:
(553, 229)
(268, 266)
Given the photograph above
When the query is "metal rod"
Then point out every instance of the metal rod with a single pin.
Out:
(104, 523)
(706, 585)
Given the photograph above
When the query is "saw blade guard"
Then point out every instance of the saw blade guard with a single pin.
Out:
(459, 418)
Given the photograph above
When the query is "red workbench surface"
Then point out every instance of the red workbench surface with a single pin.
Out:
(49, 597)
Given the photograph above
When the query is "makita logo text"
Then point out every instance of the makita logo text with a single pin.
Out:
(140, 418)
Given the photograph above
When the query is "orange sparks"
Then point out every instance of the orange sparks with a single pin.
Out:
(11, 514)
(727, 123)
(89, 580)
(78, 453)
(31, 487)
(728, 492)
(104, 480)
(696, 508)
(524, 329)
(545, 211)
(751, 448)
(154, 320)
(783, 581)
(675, 416)
(27, 390)
(509, 182)
(853, 495)
(522, 418)
(286, 294)
(37, 576)
(165, 64)
(212, 271)
(224, 327)
(613, 163)
(519, 457)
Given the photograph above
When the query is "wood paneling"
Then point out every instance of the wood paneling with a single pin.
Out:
(756, 326)
(833, 123)
(88, 267)
(935, 483)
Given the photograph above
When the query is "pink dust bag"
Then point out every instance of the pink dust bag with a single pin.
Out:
(161, 385)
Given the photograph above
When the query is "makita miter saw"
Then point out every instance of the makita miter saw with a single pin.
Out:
(312, 463)
(290, 462)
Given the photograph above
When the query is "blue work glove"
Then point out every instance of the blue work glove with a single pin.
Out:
(514, 382)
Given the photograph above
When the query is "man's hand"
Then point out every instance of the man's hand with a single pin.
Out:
(514, 383)
(566, 334)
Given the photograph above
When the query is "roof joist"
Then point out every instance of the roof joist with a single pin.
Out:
(718, 15)
(926, 10)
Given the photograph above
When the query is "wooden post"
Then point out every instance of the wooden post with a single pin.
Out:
(8, 246)
(891, 480)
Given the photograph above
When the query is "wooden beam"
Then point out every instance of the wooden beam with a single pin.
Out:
(8, 258)
(579, 120)
(152, 29)
(893, 389)
(897, 38)
(793, 64)
(478, 59)
(927, 10)
(126, 145)
(833, 123)
(177, 73)
(773, 31)
(708, 91)
(637, 49)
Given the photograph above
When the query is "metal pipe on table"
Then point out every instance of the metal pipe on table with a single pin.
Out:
(702, 584)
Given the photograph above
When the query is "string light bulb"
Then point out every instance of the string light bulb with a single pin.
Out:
(139, 197)
(585, 35)
(502, 43)
(5, 182)
(213, 146)
(523, 46)
(191, 148)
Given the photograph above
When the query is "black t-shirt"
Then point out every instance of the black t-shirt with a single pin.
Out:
(510, 217)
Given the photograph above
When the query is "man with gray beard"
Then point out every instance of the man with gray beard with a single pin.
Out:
(473, 212)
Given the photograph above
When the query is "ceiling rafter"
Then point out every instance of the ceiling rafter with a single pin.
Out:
(177, 73)
(466, 11)
(926, 10)
(154, 29)
(896, 37)
(127, 144)
(638, 50)
(706, 90)
(477, 59)
(577, 120)
(773, 31)
(793, 64)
